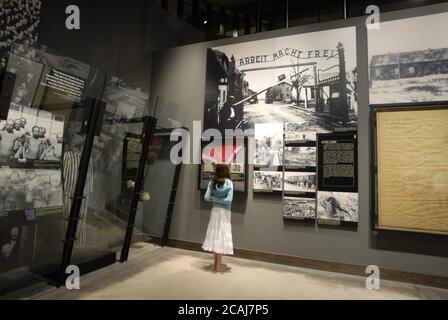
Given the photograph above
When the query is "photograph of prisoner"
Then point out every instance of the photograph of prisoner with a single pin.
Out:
(341, 206)
(29, 189)
(27, 135)
(237, 168)
(18, 19)
(407, 65)
(300, 182)
(309, 79)
(301, 133)
(300, 157)
(299, 208)
(268, 145)
(267, 181)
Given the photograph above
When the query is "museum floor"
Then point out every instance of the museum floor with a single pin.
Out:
(168, 273)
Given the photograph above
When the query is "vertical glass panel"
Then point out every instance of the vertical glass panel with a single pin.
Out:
(160, 174)
(114, 164)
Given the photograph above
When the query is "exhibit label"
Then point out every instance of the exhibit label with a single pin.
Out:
(338, 162)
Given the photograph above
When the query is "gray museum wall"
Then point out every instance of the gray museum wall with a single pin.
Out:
(178, 75)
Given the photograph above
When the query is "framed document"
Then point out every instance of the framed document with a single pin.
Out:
(410, 161)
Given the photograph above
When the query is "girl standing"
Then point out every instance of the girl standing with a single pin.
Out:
(219, 232)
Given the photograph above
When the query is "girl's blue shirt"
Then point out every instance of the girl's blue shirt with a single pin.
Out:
(220, 197)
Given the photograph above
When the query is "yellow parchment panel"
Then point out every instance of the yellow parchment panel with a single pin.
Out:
(412, 155)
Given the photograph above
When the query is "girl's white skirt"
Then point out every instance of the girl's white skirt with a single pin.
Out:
(219, 232)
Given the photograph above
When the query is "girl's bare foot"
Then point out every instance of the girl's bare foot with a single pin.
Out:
(223, 269)
(226, 267)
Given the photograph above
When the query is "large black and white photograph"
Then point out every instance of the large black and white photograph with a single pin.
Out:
(300, 182)
(268, 145)
(300, 157)
(22, 189)
(31, 134)
(299, 208)
(267, 181)
(309, 79)
(341, 206)
(408, 60)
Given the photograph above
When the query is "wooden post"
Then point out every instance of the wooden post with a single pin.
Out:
(343, 107)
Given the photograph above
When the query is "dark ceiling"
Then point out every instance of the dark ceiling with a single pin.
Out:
(224, 17)
(232, 3)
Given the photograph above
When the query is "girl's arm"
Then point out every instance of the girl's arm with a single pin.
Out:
(228, 199)
(208, 193)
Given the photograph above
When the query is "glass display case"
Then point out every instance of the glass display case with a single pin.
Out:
(40, 131)
(76, 148)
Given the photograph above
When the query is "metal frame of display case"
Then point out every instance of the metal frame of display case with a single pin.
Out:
(91, 129)
(173, 193)
(374, 109)
(94, 107)
(148, 130)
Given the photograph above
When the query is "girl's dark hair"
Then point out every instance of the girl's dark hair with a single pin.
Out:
(222, 172)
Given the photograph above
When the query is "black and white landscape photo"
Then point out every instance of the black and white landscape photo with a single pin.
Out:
(269, 145)
(302, 133)
(309, 79)
(29, 189)
(267, 181)
(341, 206)
(408, 60)
(300, 157)
(300, 182)
(299, 208)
